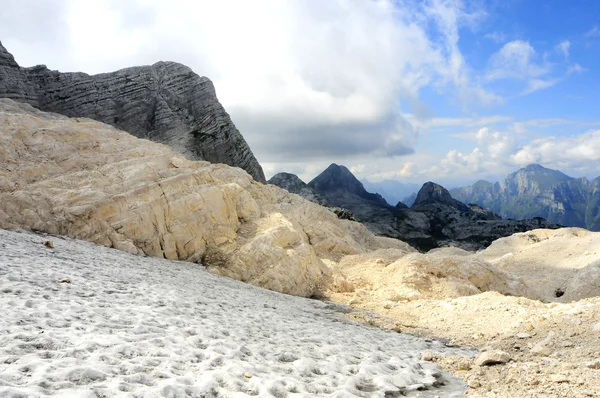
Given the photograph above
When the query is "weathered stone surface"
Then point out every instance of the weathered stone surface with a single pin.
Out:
(90, 181)
(585, 283)
(492, 358)
(166, 102)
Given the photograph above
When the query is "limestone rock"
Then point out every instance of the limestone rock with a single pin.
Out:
(488, 358)
(401, 275)
(90, 181)
(585, 283)
(165, 102)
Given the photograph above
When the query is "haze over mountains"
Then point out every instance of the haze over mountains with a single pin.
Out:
(535, 191)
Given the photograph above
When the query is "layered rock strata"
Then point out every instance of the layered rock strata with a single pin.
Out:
(166, 102)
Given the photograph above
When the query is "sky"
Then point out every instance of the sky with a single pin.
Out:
(437, 90)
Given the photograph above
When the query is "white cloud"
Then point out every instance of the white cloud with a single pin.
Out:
(575, 68)
(538, 84)
(515, 60)
(498, 37)
(571, 152)
(593, 33)
(302, 78)
(563, 47)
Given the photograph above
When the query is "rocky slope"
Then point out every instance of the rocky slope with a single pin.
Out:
(88, 180)
(165, 102)
(536, 191)
(434, 220)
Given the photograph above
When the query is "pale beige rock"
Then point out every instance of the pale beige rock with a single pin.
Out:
(494, 357)
(549, 260)
(88, 180)
(404, 275)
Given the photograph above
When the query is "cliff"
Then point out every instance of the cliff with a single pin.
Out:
(166, 102)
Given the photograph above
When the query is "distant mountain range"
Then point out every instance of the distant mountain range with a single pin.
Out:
(435, 219)
(535, 191)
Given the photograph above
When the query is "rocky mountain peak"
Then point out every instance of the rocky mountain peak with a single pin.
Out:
(292, 183)
(338, 178)
(431, 193)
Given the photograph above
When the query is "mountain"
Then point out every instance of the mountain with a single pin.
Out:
(535, 191)
(391, 190)
(166, 102)
(292, 183)
(338, 180)
(435, 219)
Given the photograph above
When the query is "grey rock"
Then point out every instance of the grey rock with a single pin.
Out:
(166, 102)
(492, 358)
(293, 184)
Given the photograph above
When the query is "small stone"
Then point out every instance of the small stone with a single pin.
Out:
(247, 375)
(593, 364)
(588, 393)
(464, 364)
(354, 301)
(522, 335)
(49, 244)
(559, 378)
(388, 304)
(473, 383)
(541, 350)
(427, 356)
(528, 326)
(596, 327)
(492, 358)
(65, 280)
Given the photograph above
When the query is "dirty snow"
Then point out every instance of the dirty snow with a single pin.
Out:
(84, 320)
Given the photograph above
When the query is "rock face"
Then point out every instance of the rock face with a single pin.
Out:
(165, 102)
(536, 191)
(90, 181)
(292, 183)
(435, 219)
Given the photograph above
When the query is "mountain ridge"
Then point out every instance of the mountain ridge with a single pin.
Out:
(435, 219)
(536, 191)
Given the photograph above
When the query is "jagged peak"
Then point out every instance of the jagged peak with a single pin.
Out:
(337, 178)
(288, 177)
(432, 193)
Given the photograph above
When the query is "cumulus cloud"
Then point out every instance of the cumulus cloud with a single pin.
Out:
(302, 79)
(573, 152)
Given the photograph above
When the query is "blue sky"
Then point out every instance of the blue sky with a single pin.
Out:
(444, 90)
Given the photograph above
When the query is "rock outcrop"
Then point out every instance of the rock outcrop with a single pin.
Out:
(90, 181)
(293, 184)
(166, 102)
(535, 191)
